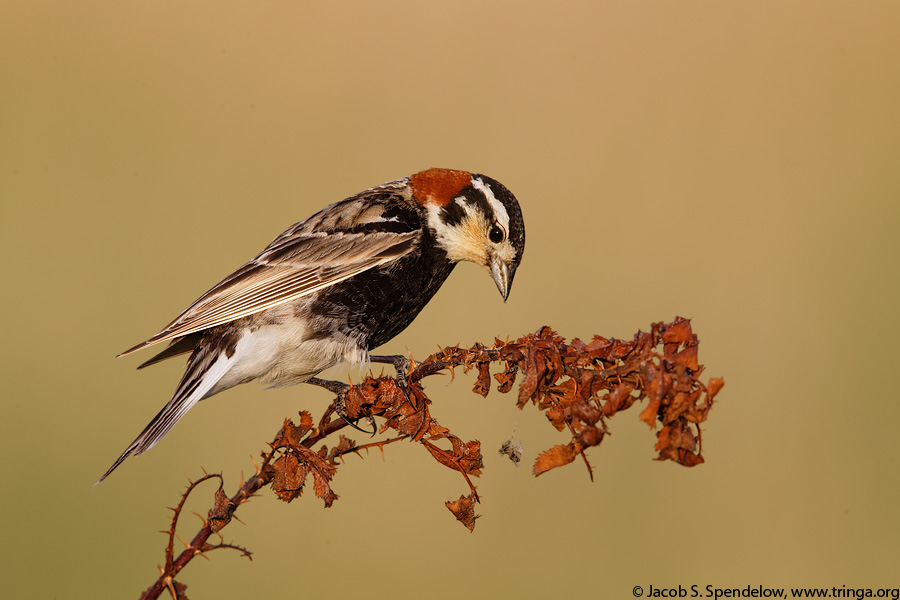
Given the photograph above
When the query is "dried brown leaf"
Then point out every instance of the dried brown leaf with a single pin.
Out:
(619, 398)
(220, 514)
(566, 392)
(506, 379)
(676, 334)
(556, 456)
(686, 358)
(464, 510)
(557, 416)
(536, 367)
(344, 446)
(655, 390)
(322, 486)
(465, 458)
(483, 383)
(306, 421)
(590, 436)
(289, 476)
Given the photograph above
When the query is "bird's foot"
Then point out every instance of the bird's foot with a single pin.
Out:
(341, 389)
(403, 365)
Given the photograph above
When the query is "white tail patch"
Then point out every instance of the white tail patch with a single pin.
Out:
(208, 380)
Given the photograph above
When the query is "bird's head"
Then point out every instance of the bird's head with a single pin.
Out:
(474, 218)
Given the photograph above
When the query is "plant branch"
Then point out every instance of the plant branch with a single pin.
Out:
(578, 385)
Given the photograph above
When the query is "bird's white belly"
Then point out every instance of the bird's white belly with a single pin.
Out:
(284, 354)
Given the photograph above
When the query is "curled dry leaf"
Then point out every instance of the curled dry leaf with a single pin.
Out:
(464, 510)
(220, 514)
(345, 445)
(557, 456)
(288, 477)
(507, 378)
(295, 464)
(483, 383)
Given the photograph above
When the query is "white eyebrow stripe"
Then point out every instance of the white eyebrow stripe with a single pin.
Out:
(499, 210)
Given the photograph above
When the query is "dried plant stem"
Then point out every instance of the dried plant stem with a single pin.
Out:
(578, 385)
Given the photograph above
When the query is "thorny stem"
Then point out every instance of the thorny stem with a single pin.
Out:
(198, 545)
(177, 513)
(379, 444)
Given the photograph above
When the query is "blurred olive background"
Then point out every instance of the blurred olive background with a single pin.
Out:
(736, 163)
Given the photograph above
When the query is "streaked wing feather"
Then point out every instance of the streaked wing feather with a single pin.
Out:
(288, 269)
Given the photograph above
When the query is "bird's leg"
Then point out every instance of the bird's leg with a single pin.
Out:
(402, 364)
(340, 389)
(336, 387)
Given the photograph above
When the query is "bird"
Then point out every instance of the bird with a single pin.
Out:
(335, 286)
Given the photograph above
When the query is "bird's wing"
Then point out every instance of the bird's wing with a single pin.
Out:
(294, 265)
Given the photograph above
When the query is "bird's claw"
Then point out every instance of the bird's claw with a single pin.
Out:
(357, 427)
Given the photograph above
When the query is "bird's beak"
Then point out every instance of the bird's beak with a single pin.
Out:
(503, 276)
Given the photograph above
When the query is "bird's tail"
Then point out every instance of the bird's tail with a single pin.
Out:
(203, 372)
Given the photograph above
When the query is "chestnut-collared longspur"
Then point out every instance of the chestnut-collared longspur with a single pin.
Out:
(335, 286)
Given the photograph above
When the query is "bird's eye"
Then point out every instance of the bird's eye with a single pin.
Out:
(496, 234)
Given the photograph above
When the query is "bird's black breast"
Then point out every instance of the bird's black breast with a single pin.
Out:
(378, 304)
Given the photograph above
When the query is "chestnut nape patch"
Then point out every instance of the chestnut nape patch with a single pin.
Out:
(438, 186)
